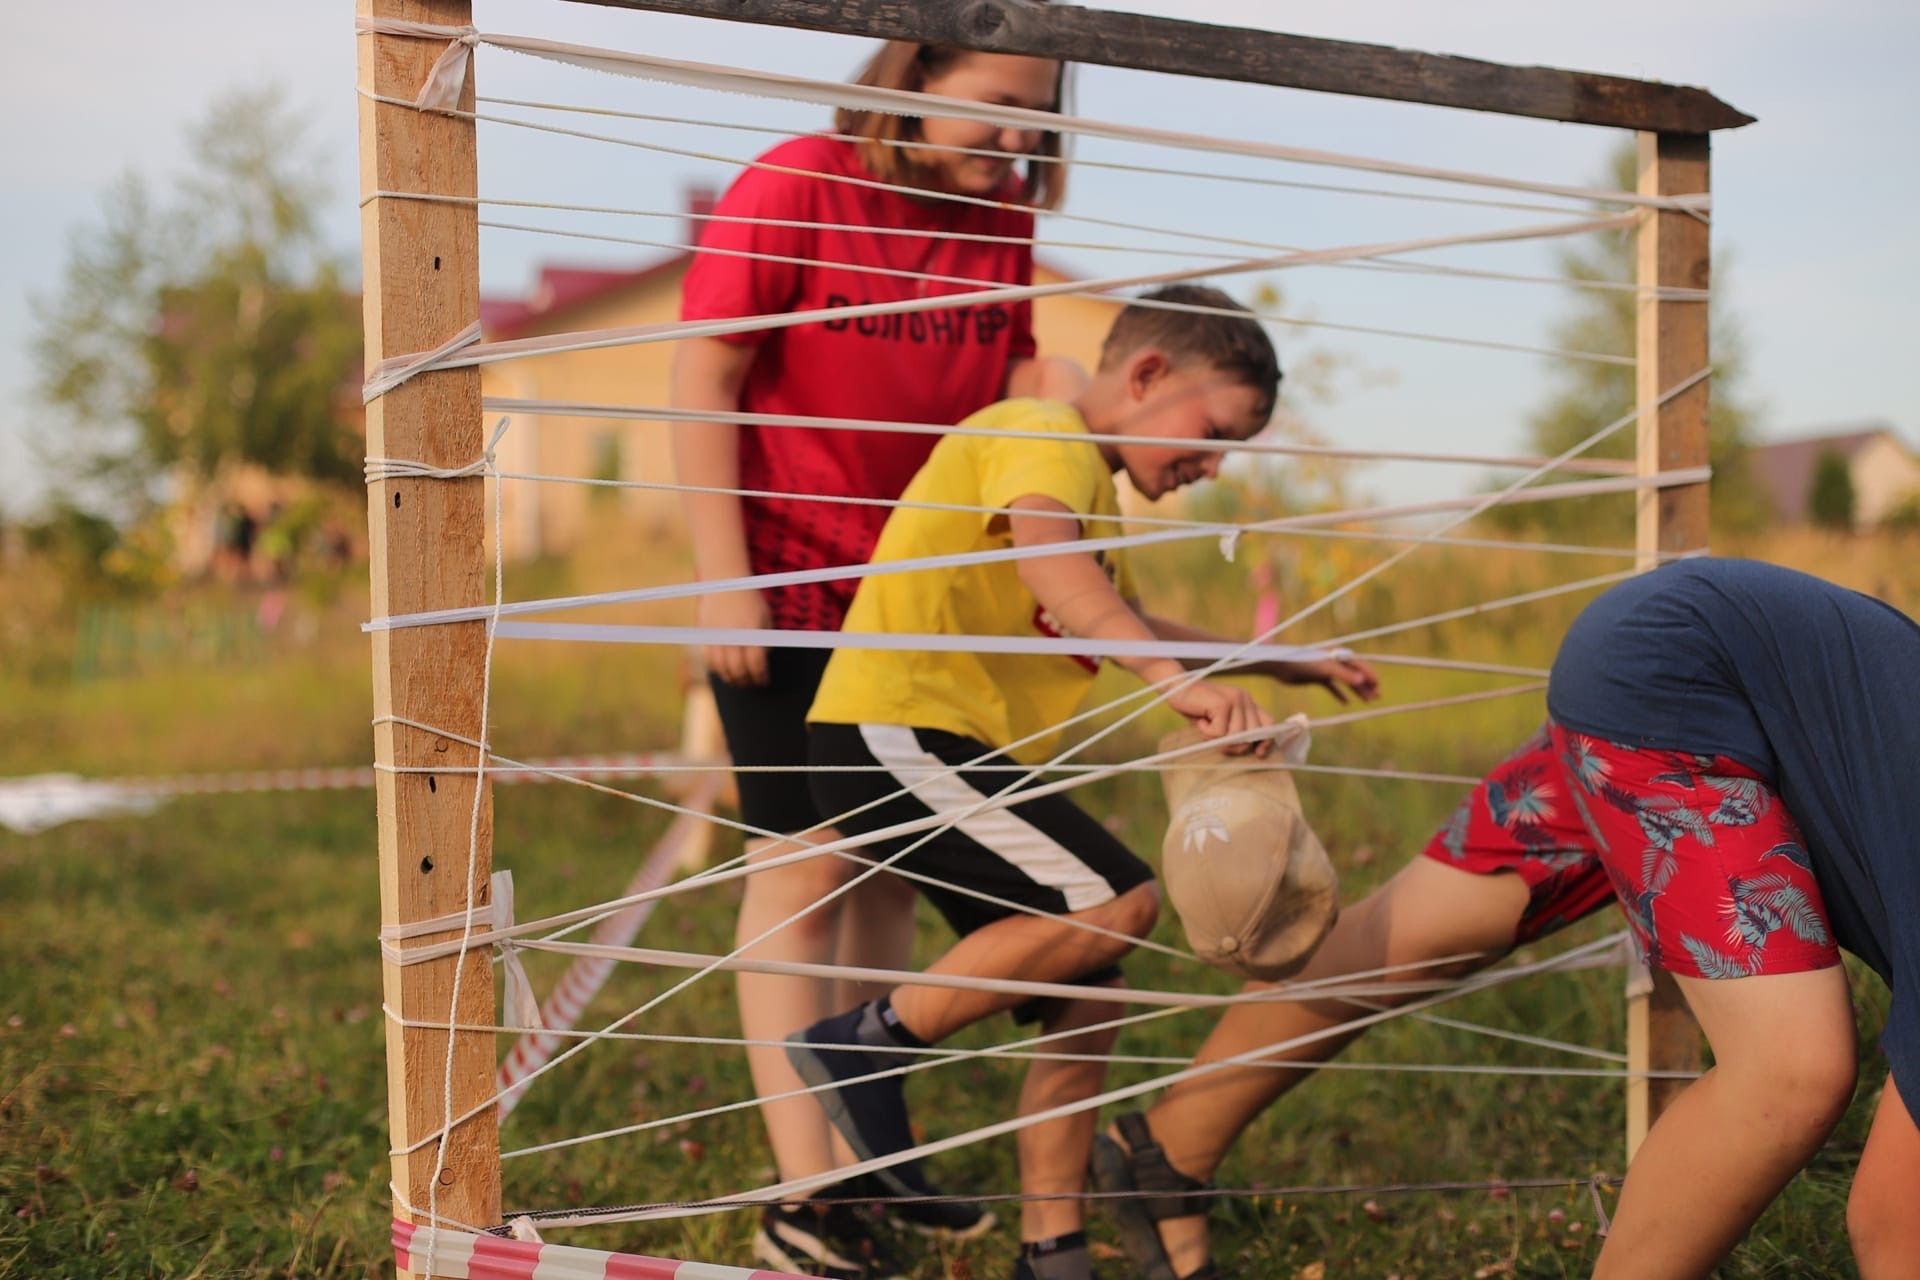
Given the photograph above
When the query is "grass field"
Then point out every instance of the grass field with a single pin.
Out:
(191, 1074)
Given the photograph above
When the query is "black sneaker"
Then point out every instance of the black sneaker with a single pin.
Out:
(942, 1219)
(830, 1241)
(870, 1114)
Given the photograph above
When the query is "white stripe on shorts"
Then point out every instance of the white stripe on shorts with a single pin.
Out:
(932, 781)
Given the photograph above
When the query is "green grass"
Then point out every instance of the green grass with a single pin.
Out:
(191, 1065)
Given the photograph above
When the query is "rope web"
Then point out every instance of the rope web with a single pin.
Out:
(598, 937)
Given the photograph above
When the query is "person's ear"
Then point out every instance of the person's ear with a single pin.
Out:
(1146, 368)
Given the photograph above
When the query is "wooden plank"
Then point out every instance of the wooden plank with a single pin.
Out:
(1215, 52)
(427, 551)
(1672, 339)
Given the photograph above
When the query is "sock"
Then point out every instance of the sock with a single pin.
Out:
(881, 1027)
(1059, 1257)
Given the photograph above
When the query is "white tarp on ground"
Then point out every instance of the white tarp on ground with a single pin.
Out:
(44, 800)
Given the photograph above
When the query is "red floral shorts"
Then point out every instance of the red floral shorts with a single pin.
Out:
(1705, 860)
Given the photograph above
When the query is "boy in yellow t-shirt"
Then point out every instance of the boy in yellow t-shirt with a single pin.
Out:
(1037, 890)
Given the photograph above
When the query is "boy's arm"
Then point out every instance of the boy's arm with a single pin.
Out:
(1340, 676)
(1075, 590)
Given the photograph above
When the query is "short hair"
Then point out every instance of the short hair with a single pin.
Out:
(1193, 322)
(908, 65)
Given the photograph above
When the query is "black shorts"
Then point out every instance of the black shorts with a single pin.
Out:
(767, 725)
(1045, 853)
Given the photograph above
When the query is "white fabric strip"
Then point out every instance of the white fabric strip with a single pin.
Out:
(681, 591)
(832, 93)
(780, 638)
(1011, 837)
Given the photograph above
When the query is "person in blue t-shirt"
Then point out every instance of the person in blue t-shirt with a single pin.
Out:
(1731, 754)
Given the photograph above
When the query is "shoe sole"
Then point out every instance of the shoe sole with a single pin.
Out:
(951, 1235)
(1131, 1222)
(806, 1063)
(767, 1250)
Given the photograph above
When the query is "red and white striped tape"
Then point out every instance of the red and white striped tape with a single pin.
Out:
(569, 999)
(462, 1255)
(346, 779)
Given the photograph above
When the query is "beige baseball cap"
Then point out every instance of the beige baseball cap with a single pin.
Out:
(1253, 887)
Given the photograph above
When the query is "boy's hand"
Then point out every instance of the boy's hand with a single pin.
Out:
(1218, 710)
(735, 663)
(1339, 676)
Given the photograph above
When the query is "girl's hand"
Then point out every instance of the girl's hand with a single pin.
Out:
(1339, 676)
(737, 610)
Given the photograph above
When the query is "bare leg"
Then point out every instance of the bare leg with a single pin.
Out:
(1783, 1071)
(1428, 910)
(1033, 948)
(1053, 1155)
(876, 932)
(1880, 1216)
(803, 1141)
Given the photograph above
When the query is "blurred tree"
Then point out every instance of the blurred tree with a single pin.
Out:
(203, 328)
(1830, 501)
(1588, 396)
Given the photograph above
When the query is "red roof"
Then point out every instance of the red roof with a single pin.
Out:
(1786, 467)
(562, 288)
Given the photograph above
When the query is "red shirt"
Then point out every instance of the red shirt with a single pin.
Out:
(930, 366)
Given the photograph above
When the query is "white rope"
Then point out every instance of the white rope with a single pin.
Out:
(378, 469)
(836, 94)
(391, 373)
(819, 422)
(1577, 958)
(738, 868)
(797, 577)
(1663, 293)
(1267, 317)
(801, 1186)
(1078, 161)
(639, 335)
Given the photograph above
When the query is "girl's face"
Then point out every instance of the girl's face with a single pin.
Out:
(1000, 79)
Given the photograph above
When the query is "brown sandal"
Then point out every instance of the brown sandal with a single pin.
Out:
(1143, 1189)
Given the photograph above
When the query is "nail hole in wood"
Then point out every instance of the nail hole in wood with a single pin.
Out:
(436, 263)
(396, 499)
(426, 865)
(432, 785)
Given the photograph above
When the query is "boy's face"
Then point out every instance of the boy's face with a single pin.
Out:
(1181, 402)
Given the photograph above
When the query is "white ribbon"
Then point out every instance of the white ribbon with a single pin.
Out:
(519, 1005)
(441, 90)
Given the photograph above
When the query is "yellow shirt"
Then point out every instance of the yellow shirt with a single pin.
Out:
(995, 698)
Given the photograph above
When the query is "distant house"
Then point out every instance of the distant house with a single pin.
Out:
(540, 518)
(1884, 469)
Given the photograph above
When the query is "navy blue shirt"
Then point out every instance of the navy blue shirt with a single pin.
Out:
(1815, 688)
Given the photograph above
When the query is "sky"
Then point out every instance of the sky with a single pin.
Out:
(1812, 234)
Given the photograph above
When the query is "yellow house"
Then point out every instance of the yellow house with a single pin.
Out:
(551, 518)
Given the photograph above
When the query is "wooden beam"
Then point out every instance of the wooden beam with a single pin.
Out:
(427, 551)
(1215, 52)
(1672, 341)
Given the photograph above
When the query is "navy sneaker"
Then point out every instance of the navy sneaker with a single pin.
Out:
(945, 1218)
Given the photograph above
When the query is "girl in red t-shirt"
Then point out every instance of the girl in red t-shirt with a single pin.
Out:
(935, 366)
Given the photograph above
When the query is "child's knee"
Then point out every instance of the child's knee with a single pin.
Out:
(1881, 1227)
(1137, 910)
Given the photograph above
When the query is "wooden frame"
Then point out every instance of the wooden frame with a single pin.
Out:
(427, 541)
(427, 547)
(1671, 337)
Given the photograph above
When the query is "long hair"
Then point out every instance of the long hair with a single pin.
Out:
(907, 65)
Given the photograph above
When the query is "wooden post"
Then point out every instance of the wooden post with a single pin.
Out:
(1672, 342)
(427, 551)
